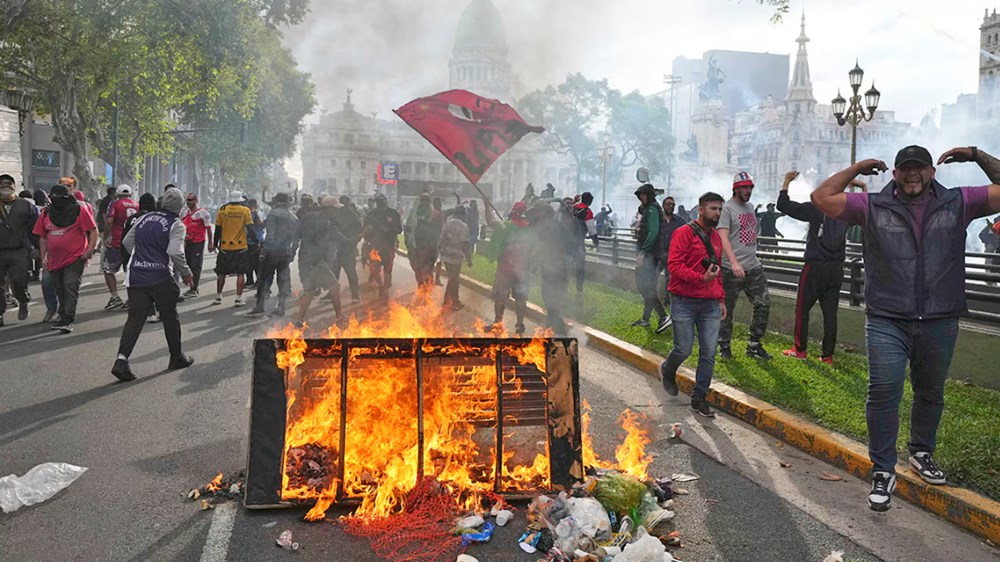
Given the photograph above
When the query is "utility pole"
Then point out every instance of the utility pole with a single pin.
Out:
(605, 158)
(671, 81)
(114, 143)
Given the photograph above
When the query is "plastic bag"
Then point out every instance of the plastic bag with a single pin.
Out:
(646, 548)
(37, 485)
(619, 493)
(591, 517)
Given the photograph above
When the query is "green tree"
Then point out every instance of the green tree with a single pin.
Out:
(153, 58)
(579, 112)
(284, 97)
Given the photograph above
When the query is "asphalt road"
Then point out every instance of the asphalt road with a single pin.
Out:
(147, 442)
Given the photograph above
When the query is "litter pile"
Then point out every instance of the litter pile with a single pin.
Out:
(611, 516)
(222, 488)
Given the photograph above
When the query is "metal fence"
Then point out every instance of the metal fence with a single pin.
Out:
(783, 259)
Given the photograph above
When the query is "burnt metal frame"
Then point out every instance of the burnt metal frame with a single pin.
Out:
(268, 410)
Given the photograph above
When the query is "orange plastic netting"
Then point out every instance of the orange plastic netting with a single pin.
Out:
(421, 533)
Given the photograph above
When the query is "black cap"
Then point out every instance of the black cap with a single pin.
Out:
(646, 188)
(7, 177)
(914, 154)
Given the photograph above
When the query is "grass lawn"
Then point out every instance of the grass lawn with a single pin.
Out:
(834, 397)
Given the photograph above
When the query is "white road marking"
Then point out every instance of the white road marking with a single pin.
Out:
(217, 544)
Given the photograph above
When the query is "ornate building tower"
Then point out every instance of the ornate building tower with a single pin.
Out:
(479, 58)
(800, 100)
(988, 99)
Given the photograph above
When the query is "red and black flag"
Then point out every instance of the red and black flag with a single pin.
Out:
(471, 131)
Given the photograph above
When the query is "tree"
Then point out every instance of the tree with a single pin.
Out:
(780, 8)
(577, 114)
(284, 97)
(150, 58)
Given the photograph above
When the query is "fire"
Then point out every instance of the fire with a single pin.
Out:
(216, 484)
(380, 436)
(375, 256)
(630, 455)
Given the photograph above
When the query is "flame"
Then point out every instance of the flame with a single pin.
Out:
(374, 255)
(216, 484)
(381, 449)
(630, 455)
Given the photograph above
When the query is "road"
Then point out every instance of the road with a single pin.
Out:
(146, 443)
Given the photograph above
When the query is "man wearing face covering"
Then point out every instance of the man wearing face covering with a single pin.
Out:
(914, 256)
(17, 218)
(156, 246)
(67, 238)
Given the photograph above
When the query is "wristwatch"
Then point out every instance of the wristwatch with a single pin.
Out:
(975, 152)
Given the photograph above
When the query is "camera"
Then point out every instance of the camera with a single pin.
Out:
(708, 261)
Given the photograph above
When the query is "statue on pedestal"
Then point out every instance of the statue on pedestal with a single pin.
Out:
(709, 90)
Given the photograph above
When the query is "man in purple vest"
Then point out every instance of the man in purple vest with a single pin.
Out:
(156, 244)
(914, 293)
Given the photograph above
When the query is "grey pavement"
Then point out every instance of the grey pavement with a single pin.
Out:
(147, 442)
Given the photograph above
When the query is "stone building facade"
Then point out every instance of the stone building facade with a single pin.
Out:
(341, 154)
(10, 146)
(798, 133)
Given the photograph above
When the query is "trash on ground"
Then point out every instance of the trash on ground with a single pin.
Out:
(483, 536)
(784, 464)
(269, 525)
(684, 477)
(466, 558)
(221, 488)
(829, 477)
(37, 485)
(285, 541)
(675, 430)
(470, 522)
(504, 516)
(835, 556)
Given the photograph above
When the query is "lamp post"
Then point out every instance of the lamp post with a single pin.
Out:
(855, 113)
(671, 81)
(21, 102)
(605, 158)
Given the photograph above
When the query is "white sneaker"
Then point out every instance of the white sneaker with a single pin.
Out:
(240, 302)
(883, 484)
(218, 299)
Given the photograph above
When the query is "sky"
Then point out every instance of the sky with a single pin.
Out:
(391, 51)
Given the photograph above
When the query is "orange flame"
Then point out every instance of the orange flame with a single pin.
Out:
(216, 484)
(630, 455)
(374, 255)
(381, 453)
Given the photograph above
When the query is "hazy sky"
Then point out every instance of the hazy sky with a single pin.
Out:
(389, 52)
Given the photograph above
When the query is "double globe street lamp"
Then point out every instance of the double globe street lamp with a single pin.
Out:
(855, 114)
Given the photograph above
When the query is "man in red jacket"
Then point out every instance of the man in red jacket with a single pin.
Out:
(696, 299)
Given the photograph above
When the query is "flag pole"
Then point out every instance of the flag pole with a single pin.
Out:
(487, 201)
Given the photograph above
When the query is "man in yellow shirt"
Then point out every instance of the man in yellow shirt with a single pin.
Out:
(233, 226)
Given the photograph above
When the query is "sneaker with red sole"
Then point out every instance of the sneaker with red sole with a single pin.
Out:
(794, 353)
(827, 360)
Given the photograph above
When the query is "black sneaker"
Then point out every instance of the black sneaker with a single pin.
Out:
(700, 406)
(519, 330)
(923, 464)
(122, 371)
(66, 328)
(883, 484)
(256, 311)
(725, 352)
(22, 311)
(757, 351)
(277, 312)
(669, 380)
(665, 323)
(181, 361)
(113, 303)
(640, 324)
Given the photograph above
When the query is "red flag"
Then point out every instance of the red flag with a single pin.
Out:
(471, 131)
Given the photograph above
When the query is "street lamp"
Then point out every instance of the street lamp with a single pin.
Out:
(21, 102)
(605, 158)
(671, 81)
(852, 111)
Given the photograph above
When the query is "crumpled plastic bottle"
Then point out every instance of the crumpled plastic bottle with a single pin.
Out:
(37, 485)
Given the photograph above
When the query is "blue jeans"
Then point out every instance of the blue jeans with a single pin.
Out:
(49, 291)
(927, 346)
(687, 313)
